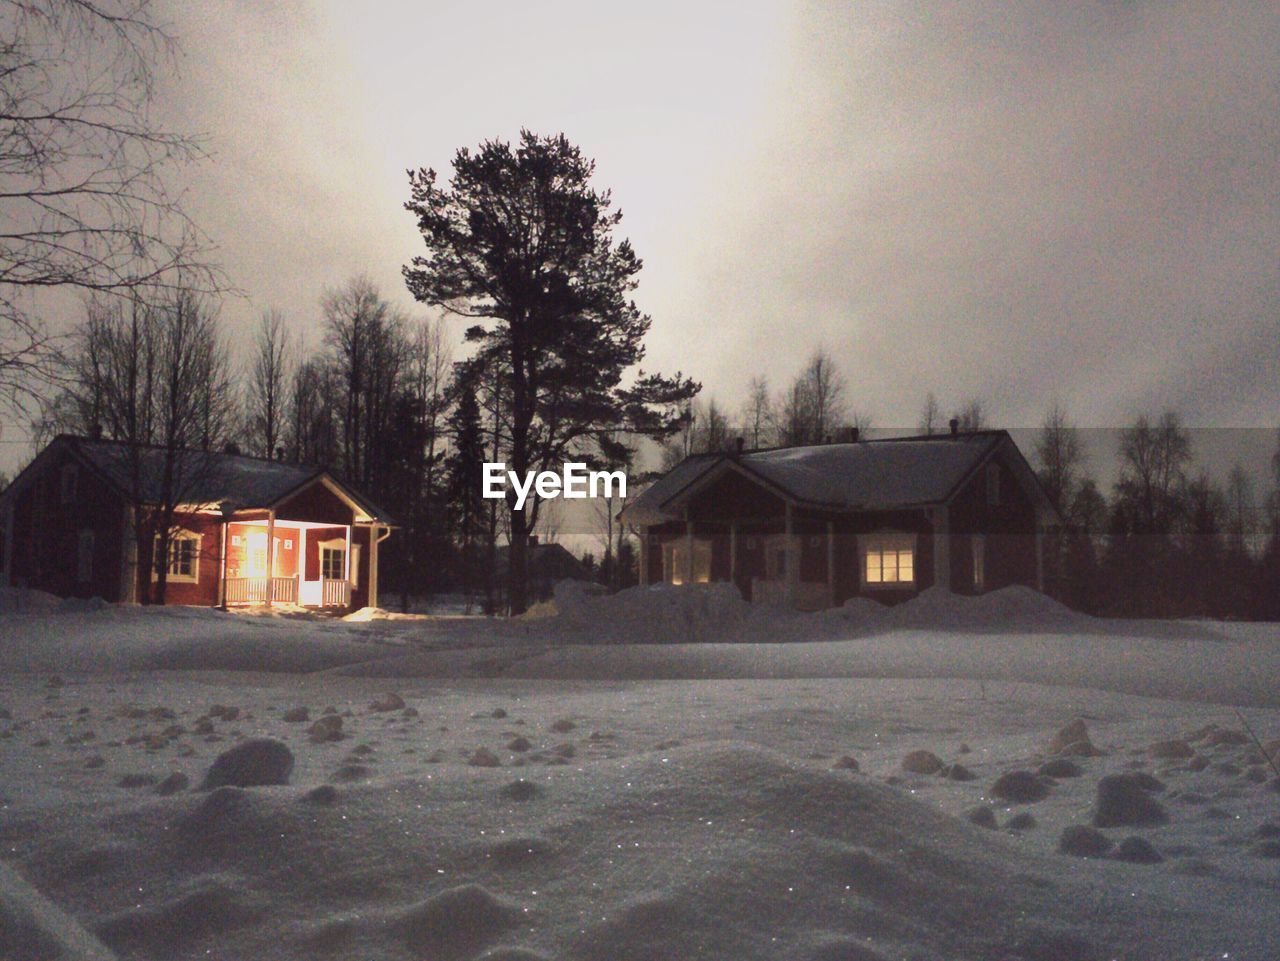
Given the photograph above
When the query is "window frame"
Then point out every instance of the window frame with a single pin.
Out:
(335, 545)
(176, 577)
(882, 543)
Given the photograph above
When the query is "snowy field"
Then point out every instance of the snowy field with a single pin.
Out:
(664, 775)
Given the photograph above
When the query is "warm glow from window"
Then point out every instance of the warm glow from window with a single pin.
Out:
(889, 560)
(677, 559)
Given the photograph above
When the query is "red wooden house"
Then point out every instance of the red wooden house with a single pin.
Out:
(811, 527)
(245, 531)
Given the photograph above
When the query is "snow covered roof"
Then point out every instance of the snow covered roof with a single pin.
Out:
(203, 477)
(865, 475)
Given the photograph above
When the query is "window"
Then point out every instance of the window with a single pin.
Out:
(67, 487)
(979, 562)
(675, 557)
(332, 563)
(184, 557)
(84, 558)
(993, 485)
(255, 556)
(889, 560)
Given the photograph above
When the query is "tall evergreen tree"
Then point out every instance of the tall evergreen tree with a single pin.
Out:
(522, 242)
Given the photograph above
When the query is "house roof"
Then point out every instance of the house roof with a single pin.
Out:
(203, 477)
(545, 560)
(887, 474)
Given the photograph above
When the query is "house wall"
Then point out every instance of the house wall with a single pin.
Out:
(1008, 529)
(360, 593)
(46, 532)
(287, 549)
(315, 503)
(203, 593)
(314, 536)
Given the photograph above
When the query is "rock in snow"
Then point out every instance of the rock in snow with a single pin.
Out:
(258, 761)
(1084, 841)
(1060, 767)
(1020, 787)
(1137, 850)
(922, 762)
(1122, 800)
(327, 728)
(387, 702)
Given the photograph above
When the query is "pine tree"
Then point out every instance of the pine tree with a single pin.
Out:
(520, 241)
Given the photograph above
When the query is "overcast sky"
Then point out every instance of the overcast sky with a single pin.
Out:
(1014, 202)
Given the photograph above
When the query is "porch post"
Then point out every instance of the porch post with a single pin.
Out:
(688, 553)
(271, 552)
(373, 565)
(346, 559)
(942, 547)
(129, 558)
(733, 553)
(793, 558)
(644, 556)
(222, 568)
(831, 563)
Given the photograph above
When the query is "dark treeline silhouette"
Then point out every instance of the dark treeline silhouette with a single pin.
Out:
(1168, 541)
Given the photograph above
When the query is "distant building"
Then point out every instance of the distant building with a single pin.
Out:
(548, 564)
(249, 531)
(811, 527)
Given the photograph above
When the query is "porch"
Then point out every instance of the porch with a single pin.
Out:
(306, 563)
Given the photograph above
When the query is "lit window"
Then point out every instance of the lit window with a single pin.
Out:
(889, 560)
(84, 558)
(676, 559)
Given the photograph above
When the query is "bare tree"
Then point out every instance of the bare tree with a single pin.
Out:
(931, 415)
(758, 417)
(1154, 458)
(814, 407)
(83, 198)
(971, 416)
(1241, 523)
(155, 377)
(1061, 457)
(269, 375)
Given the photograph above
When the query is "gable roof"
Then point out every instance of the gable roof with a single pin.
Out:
(885, 474)
(204, 477)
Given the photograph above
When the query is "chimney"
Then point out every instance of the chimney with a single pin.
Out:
(828, 439)
(955, 426)
(853, 435)
(533, 540)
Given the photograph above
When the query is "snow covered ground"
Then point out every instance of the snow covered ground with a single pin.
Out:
(543, 789)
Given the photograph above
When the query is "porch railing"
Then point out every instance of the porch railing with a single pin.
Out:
(253, 590)
(335, 593)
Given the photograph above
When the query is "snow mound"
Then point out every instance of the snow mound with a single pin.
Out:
(1010, 606)
(654, 614)
(21, 600)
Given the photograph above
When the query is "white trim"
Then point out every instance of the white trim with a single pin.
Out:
(181, 534)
